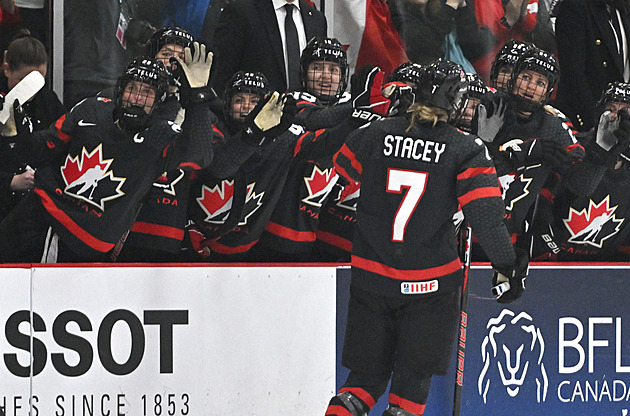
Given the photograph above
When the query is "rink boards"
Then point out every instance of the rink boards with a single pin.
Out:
(193, 340)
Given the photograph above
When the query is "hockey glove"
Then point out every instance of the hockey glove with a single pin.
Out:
(508, 283)
(271, 117)
(488, 121)
(193, 74)
(401, 96)
(365, 87)
(18, 124)
(535, 151)
(612, 138)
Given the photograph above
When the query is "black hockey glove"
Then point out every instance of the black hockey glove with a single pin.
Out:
(487, 122)
(271, 117)
(193, 74)
(365, 87)
(138, 32)
(535, 151)
(508, 283)
(611, 139)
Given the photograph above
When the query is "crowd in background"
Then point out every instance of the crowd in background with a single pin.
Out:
(275, 196)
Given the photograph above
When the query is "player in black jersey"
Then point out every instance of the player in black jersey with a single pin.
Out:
(569, 227)
(414, 170)
(504, 62)
(97, 162)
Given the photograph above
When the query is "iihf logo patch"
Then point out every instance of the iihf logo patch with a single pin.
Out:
(418, 288)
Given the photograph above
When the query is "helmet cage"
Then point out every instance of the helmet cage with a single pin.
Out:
(507, 57)
(145, 71)
(243, 82)
(541, 62)
(169, 36)
(327, 50)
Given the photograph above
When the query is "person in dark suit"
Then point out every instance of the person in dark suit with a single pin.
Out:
(250, 37)
(592, 51)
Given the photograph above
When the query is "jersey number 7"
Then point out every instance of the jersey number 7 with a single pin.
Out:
(415, 182)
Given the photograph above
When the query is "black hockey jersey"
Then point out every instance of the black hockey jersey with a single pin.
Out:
(101, 173)
(411, 184)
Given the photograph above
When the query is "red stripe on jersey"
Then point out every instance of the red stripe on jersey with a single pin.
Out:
(338, 411)
(298, 144)
(223, 249)
(72, 226)
(345, 150)
(159, 230)
(361, 394)
(424, 274)
(216, 130)
(472, 172)
(487, 192)
(190, 165)
(407, 405)
(572, 147)
(334, 240)
(289, 233)
(546, 193)
(304, 102)
(63, 136)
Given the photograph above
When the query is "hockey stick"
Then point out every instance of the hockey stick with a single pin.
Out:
(465, 244)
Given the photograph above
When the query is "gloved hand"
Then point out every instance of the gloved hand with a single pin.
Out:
(365, 88)
(193, 74)
(271, 117)
(611, 139)
(508, 283)
(535, 151)
(18, 123)
(401, 97)
(487, 122)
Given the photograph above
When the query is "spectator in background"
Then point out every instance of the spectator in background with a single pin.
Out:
(24, 55)
(424, 24)
(95, 48)
(592, 38)
(507, 19)
(35, 18)
(250, 36)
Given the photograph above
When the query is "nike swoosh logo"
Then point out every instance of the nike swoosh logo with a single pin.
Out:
(85, 123)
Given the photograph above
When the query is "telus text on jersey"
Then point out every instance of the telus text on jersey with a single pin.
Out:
(413, 148)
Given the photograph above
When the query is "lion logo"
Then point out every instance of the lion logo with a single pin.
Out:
(514, 347)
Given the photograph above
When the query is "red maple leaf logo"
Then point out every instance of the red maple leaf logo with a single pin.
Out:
(87, 177)
(319, 185)
(74, 168)
(594, 224)
(217, 201)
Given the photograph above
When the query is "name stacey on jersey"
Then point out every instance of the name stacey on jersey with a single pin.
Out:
(413, 148)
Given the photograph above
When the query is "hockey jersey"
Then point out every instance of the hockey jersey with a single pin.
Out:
(100, 173)
(411, 183)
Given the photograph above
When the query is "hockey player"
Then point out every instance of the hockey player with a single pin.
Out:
(406, 274)
(504, 61)
(290, 234)
(526, 141)
(97, 162)
(569, 227)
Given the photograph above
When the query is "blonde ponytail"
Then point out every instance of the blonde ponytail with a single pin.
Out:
(421, 114)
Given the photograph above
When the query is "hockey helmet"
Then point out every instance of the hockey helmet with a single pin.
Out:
(443, 84)
(243, 82)
(615, 92)
(478, 93)
(139, 91)
(507, 56)
(168, 36)
(328, 50)
(539, 61)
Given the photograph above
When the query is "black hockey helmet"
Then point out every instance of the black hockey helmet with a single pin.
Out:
(615, 92)
(541, 62)
(131, 115)
(324, 49)
(245, 82)
(168, 36)
(443, 84)
(507, 56)
(478, 93)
